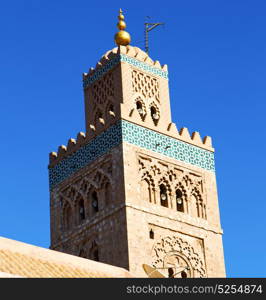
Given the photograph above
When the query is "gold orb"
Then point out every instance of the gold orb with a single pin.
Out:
(122, 38)
(121, 25)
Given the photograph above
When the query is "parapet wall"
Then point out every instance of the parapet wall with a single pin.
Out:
(77, 155)
(129, 54)
(183, 135)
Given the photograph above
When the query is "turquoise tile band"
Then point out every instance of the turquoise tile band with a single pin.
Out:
(168, 146)
(98, 74)
(124, 131)
(143, 66)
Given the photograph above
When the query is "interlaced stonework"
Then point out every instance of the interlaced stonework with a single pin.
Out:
(78, 206)
(154, 172)
(173, 252)
(102, 89)
(145, 84)
(76, 196)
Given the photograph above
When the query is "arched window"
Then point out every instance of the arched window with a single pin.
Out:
(163, 196)
(107, 193)
(194, 206)
(154, 115)
(151, 234)
(145, 190)
(141, 110)
(81, 210)
(67, 217)
(139, 107)
(111, 108)
(94, 251)
(94, 202)
(183, 274)
(170, 273)
(82, 253)
(96, 255)
(179, 201)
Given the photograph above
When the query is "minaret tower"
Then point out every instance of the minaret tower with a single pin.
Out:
(134, 189)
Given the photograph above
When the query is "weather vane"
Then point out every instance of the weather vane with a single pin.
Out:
(149, 27)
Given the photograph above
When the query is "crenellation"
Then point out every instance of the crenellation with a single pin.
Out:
(148, 60)
(61, 151)
(131, 51)
(157, 64)
(64, 151)
(207, 141)
(104, 60)
(195, 137)
(52, 157)
(112, 53)
(92, 127)
(98, 66)
(165, 68)
(171, 129)
(81, 138)
(184, 133)
(71, 145)
(141, 55)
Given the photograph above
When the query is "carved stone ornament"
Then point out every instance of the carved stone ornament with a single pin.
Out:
(174, 257)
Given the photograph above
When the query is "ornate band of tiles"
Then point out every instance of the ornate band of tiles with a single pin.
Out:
(132, 134)
(97, 147)
(123, 58)
(143, 66)
(168, 146)
(101, 71)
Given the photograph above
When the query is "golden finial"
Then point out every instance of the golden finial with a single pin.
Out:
(122, 37)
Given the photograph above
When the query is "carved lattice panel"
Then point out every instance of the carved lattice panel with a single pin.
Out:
(174, 252)
(146, 85)
(103, 88)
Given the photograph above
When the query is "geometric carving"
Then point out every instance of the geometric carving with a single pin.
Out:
(143, 66)
(172, 252)
(155, 112)
(168, 146)
(76, 199)
(146, 85)
(141, 108)
(179, 186)
(103, 88)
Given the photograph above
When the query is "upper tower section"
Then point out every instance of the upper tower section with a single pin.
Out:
(126, 84)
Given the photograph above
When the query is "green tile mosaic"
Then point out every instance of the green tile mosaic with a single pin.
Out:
(167, 146)
(135, 135)
(143, 66)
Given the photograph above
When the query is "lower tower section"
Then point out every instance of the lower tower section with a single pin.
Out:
(173, 220)
(88, 215)
(133, 196)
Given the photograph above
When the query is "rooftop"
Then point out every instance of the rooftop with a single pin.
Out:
(19, 259)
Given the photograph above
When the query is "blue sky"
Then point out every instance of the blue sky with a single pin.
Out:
(215, 51)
